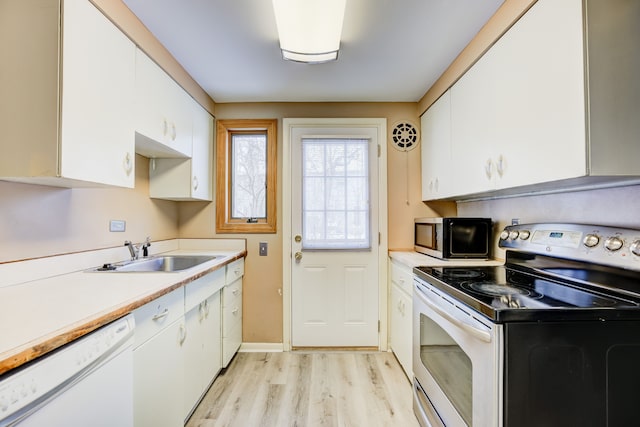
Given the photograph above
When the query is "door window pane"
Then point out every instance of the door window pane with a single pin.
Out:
(335, 193)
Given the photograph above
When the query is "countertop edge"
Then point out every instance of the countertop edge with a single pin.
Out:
(36, 348)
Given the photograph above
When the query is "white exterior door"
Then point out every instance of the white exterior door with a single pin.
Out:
(334, 236)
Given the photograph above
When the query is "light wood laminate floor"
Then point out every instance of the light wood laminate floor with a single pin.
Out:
(308, 389)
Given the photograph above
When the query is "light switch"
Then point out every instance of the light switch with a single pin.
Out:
(263, 248)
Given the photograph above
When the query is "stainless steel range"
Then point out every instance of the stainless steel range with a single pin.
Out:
(552, 338)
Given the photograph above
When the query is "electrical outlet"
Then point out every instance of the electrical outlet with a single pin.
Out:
(515, 221)
(263, 249)
(117, 225)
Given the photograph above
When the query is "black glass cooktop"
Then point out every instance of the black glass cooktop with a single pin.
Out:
(511, 294)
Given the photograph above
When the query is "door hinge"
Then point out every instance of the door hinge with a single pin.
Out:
(379, 150)
(379, 238)
(378, 326)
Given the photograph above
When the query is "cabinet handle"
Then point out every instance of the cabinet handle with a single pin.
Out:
(501, 165)
(234, 311)
(165, 127)
(206, 308)
(201, 312)
(174, 132)
(488, 168)
(162, 315)
(127, 164)
(195, 183)
(237, 271)
(235, 292)
(182, 334)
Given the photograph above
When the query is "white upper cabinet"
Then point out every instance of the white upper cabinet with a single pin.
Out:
(518, 114)
(537, 113)
(67, 96)
(436, 149)
(187, 179)
(163, 112)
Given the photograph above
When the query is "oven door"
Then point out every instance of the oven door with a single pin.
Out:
(456, 362)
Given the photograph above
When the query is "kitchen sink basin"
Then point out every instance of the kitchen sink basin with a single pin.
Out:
(166, 263)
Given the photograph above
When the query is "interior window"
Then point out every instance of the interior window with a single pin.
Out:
(246, 176)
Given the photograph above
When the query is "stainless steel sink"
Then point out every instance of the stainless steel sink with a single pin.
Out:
(166, 263)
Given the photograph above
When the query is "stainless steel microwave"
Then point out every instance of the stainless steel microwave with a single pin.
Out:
(453, 238)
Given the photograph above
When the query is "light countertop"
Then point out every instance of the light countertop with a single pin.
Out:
(41, 315)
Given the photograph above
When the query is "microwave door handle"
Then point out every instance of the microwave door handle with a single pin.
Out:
(478, 333)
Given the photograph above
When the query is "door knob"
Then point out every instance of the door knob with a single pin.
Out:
(298, 256)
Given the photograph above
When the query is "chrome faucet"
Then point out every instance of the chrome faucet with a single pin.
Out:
(134, 250)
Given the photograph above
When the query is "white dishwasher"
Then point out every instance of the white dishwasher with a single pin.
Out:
(88, 382)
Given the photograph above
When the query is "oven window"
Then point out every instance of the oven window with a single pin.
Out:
(448, 364)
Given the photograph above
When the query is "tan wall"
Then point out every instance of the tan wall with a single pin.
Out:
(39, 221)
(262, 303)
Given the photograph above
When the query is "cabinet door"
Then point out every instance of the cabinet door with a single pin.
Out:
(212, 333)
(162, 112)
(158, 379)
(201, 171)
(538, 69)
(473, 122)
(98, 74)
(202, 357)
(436, 149)
(193, 360)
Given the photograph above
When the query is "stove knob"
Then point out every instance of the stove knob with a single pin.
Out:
(504, 235)
(514, 234)
(613, 244)
(524, 234)
(591, 240)
(635, 247)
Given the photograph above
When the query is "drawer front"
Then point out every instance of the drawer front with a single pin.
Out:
(232, 294)
(153, 317)
(201, 289)
(402, 276)
(230, 344)
(231, 317)
(235, 270)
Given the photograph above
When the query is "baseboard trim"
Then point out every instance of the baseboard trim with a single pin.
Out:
(255, 347)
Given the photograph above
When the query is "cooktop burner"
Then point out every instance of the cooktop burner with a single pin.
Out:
(494, 289)
(462, 273)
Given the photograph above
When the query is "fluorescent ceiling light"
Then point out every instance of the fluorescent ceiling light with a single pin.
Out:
(309, 30)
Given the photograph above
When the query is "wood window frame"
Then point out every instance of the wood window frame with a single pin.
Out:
(224, 221)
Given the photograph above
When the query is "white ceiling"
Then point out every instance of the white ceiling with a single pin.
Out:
(391, 50)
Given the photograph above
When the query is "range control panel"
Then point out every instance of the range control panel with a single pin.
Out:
(619, 247)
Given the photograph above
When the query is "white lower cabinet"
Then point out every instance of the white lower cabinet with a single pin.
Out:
(177, 351)
(157, 362)
(202, 355)
(232, 311)
(401, 315)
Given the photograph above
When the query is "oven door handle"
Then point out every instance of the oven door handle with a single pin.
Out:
(478, 333)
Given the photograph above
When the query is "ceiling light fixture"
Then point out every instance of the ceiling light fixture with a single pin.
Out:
(309, 30)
